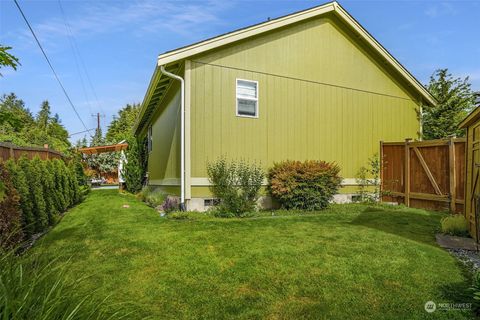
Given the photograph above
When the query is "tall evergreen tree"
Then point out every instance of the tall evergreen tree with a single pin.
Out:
(455, 100)
(43, 116)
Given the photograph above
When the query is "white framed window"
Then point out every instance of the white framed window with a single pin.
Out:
(149, 139)
(247, 98)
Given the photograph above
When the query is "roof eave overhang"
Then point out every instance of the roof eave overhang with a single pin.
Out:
(473, 116)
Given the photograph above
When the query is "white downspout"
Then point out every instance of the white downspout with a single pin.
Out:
(182, 134)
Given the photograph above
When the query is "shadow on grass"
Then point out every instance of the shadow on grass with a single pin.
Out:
(420, 227)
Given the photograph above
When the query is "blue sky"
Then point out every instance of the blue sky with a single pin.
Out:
(119, 41)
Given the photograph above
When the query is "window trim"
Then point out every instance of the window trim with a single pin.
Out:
(251, 99)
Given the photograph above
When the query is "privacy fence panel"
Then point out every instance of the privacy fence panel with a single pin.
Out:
(424, 174)
(11, 151)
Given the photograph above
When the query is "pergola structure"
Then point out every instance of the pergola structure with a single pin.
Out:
(102, 149)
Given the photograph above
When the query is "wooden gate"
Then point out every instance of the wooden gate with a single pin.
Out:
(424, 174)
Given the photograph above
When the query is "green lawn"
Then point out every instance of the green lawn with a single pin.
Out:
(349, 262)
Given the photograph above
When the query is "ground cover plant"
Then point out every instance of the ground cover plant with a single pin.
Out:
(346, 262)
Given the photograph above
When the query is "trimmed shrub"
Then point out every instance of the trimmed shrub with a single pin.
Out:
(237, 185)
(308, 185)
(455, 225)
(133, 172)
(32, 170)
(10, 216)
(61, 184)
(21, 185)
(49, 194)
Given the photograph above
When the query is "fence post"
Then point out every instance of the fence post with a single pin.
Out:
(452, 174)
(407, 172)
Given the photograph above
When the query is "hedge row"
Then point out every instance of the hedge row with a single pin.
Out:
(44, 188)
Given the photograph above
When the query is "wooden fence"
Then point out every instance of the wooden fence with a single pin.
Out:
(424, 174)
(11, 151)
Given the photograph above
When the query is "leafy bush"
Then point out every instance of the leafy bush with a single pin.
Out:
(455, 225)
(308, 185)
(236, 184)
(10, 219)
(34, 289)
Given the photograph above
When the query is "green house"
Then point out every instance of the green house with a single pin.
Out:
(310, 85)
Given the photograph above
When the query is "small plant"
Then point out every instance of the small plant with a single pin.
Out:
(455, 225)
(179, 215)
(475, 289)
(308, 185)
(368, 178)
(236, 183)
(170, 204)
(152, 197)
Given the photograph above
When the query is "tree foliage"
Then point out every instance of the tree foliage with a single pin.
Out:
(121, 126)
(455, 100)
(18, 125)
(7, 59)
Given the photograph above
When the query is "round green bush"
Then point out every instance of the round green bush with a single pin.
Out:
(308, 185)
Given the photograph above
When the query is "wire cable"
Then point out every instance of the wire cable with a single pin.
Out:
(51, 66)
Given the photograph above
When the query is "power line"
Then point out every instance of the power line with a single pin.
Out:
(70, 40)
(51, 66)
(80, 58)
(75, 133)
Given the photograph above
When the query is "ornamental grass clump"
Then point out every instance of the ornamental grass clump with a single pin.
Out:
(308, 185)
(32, 288)
(236, 184)
(455, 225)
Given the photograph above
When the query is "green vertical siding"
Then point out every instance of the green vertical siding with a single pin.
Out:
(321, 96)
(164, 159)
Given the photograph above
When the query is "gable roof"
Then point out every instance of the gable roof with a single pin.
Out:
(173, 58)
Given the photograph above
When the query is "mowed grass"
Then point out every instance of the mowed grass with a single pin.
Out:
(348, 262)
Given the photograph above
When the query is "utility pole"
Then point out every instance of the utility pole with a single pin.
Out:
(98, 119)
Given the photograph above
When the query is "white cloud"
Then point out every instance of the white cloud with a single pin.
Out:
(441, 9)
(139, 18)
